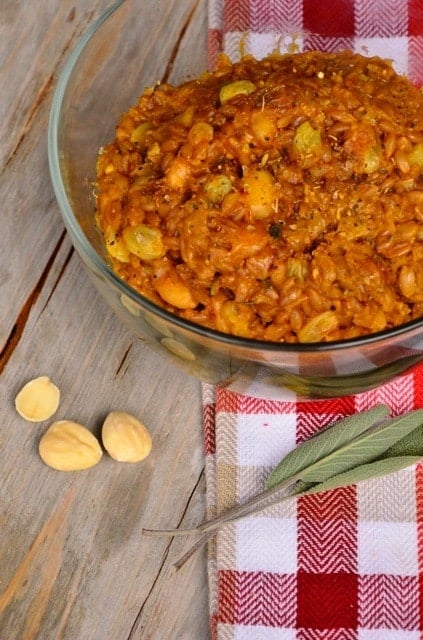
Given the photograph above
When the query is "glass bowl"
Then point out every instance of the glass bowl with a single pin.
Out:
(129, 49)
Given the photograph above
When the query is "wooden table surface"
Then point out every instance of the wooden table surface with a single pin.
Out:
(73, 562)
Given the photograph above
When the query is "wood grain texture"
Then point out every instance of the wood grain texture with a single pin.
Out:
(73, 562)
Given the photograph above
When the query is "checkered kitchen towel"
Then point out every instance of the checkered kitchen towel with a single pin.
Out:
(347, 564)
(344, 565)
(388, 28)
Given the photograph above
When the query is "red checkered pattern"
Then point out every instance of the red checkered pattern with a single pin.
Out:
(389, 28)
(346, 565)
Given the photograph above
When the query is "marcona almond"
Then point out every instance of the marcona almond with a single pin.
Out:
(38, 399)
(68, 446)
(125, 438)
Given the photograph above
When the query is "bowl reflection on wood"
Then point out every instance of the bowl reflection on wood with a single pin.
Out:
(125, 51)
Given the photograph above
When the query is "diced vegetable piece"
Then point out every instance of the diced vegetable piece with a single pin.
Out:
(259, 187)
(144, 242)
(154, 151)
(263, 127)
(416, 156)
(138, 134)
(409, 284)
(178, 173)
(239, 87)
(200, 132)
(235, 318)
(173, 291)
(307, 140)
(186, 117)
(296, 269)
(217, 187)
(371, 160)
(316, 329)
(116, 247)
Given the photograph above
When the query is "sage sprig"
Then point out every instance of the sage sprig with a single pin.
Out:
(362, 472)
(360, 447)
(369, 445)
(325, 443)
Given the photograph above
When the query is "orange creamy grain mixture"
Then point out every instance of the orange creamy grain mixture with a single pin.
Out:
(279, 200)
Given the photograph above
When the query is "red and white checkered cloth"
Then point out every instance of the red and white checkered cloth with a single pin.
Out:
(388, 28)
(343, 565)
(348, 564)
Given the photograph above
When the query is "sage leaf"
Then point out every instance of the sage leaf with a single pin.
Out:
(361, 447)
(324, 443)
(363, 472)
(410, 445)
(365, 448)
(353, 476)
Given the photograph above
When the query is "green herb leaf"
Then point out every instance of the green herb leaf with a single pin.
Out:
(363, 472)
(357, 448)
(324, 443)
(367, 447)
(410, 445)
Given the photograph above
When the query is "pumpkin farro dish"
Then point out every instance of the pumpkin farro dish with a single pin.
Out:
(279, 200)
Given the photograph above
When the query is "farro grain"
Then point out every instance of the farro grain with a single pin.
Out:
(287, 207)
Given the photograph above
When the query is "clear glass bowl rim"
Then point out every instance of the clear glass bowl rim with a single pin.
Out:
(84, 247)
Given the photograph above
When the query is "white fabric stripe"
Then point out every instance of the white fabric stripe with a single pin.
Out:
(387, 634)
(264, 633)
(266, 438)
(395, 48)
(266, 544)
(215, 14)
(391, 498)
(387, 548)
